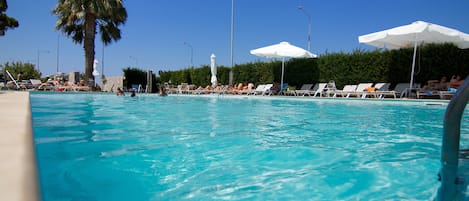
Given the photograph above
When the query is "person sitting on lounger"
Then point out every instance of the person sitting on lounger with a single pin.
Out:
(455, 81)
(275, 88)
(208, 88)
(435, 85)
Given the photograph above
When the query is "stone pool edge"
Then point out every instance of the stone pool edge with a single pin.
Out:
(18, 168)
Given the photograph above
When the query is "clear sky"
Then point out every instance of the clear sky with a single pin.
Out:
(161, 34)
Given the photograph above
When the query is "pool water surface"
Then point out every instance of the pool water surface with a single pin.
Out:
(104, 147)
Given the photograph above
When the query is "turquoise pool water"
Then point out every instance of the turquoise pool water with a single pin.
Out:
(104, 147)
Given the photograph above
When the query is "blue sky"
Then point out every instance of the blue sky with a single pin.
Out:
(159, 34)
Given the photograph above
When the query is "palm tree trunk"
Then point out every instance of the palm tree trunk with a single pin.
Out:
(88, 45)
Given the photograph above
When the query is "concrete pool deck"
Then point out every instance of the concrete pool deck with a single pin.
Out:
(18, 168)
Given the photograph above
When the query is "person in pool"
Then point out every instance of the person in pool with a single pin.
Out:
(162, 91)
(120, 92)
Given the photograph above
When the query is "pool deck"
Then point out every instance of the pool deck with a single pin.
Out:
(18, 170)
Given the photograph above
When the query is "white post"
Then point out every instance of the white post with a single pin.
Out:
(413, 64)
(283, 66)
(230, 76)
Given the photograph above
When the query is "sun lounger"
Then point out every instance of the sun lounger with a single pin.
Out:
(346, 91)
(360, 91)
(247, 91)
(281, 91)
(262, 89)
(398, 89)
(446, 95)
(258, 90)
(305, 88)
(428, 94)
(266, 89)
(380, 88)
(319, 89)
(35, 83)
(401, 90)
(330, 89)
(408, 92)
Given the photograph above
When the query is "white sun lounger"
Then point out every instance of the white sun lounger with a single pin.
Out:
(381, 89)
(360, 90)
(317, 90)
(345, 92)
(305, 88)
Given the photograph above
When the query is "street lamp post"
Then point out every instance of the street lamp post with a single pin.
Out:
(136, 61)
(102, 62)
(38, 55)
(192, 52)
(58, 43)
(230, 76)
(302, 8)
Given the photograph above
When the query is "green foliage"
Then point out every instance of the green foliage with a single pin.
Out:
(301, 71)
(134, 76)
(27, 70)
(73, 15)
(200, 76)
(6, 22)
(394, 66)
(80, 19)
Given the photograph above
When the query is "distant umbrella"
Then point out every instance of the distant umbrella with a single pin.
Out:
(95, 68)
(213, 69)
(282, 50)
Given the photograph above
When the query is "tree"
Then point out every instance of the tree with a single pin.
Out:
(79, 19)
(26, 70)
(5, 21)
(134, 76)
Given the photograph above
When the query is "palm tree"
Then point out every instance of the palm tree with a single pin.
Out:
(5, 21)
(79, 19)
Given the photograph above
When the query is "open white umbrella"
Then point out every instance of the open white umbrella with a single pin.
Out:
(213, 69)
(282, 50)
(414, 34)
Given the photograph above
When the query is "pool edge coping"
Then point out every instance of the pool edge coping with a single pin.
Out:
(17, 153)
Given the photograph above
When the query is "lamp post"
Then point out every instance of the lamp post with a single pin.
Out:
(102, 62)
(58, 46)
(230, 76)
(302, 8)
(38, 55)
(192, 52)
(136, 61)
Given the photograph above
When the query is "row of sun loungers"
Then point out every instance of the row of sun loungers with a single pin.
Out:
(368, 90)
(361, 90)
(35, 84)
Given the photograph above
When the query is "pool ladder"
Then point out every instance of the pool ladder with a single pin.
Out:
(454, 172)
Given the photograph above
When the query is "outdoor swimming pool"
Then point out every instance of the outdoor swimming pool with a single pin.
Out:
(104, 147)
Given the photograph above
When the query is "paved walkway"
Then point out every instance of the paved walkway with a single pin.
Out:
(18, 165)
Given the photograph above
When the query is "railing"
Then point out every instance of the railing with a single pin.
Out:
(451, 183)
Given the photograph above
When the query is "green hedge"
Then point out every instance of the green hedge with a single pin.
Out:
(135, 76)
(394, 66)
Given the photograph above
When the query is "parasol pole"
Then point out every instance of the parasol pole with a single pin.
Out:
(413, 64)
